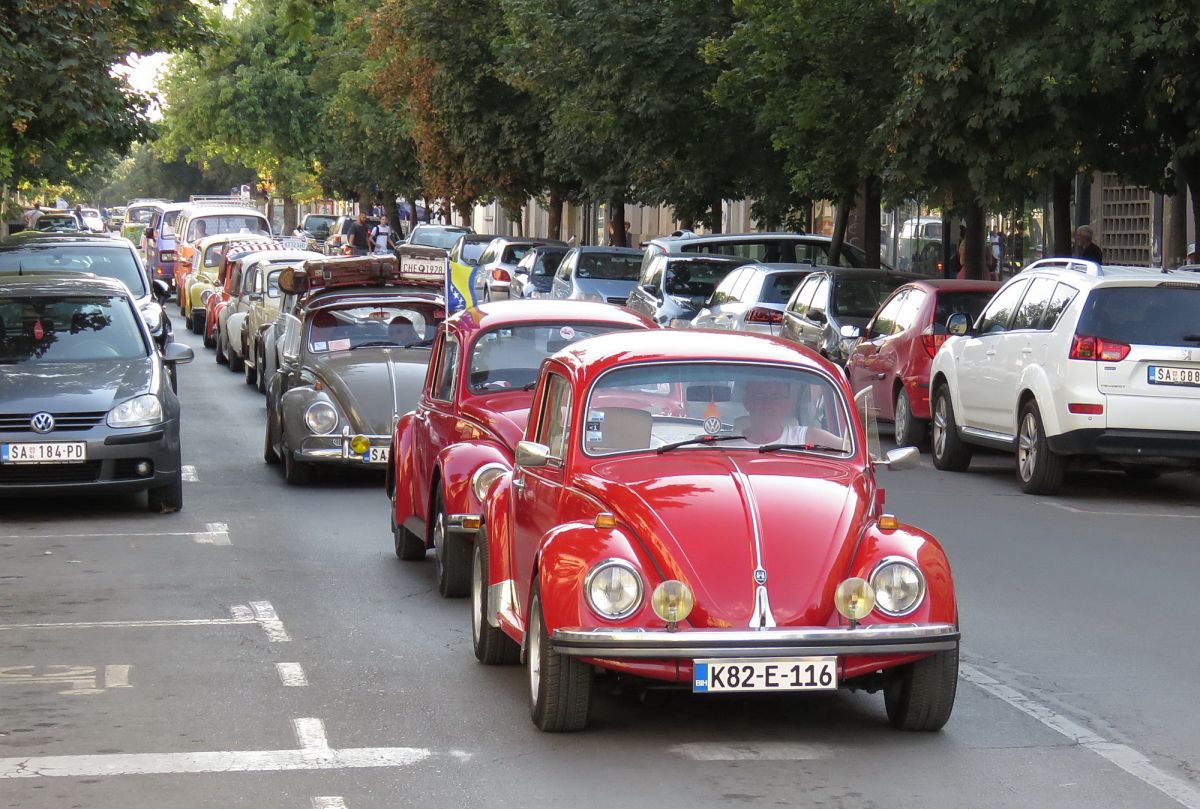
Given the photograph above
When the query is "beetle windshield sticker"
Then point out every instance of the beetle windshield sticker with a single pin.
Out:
(339, 345)
(38, 331)
(567, 333)
(320, 346)
(592, 432)
(712, 419)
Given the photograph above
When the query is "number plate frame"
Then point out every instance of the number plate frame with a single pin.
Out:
(77, 449)
(1152, 374)
(715, 675)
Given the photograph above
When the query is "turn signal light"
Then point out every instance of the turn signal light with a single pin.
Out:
(888, 522)
(605, 520)
(1097, 349)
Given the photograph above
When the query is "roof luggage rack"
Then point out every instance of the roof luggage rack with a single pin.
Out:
(415, 267)
(220, 199)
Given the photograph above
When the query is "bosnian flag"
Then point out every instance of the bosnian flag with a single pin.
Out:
(460, 286)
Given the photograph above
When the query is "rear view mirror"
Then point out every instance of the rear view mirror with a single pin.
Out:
(958, 324)
(851, 332)
(902, 458)
(177, 353)
(531, 455)
(709, 393)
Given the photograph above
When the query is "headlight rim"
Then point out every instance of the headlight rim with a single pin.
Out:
(480, 490)
(144, 422)
(336, 418)
(599, 567)
(922, 592)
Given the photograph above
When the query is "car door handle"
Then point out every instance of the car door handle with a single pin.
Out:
(1027, 350)
(990, 352)
(881, 376)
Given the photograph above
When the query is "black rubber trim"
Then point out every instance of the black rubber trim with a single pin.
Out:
(138, 438)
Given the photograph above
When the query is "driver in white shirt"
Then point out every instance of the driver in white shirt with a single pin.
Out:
(771, 417)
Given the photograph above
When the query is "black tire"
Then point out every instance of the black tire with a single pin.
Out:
(920, 696)
(236, 363)
(296, 473)
(209, 341)
(260, 363)
(950, 453)
(910, 431)
(1039, 469)
(409, 546)
(250, 371)
(452, 555)
(219, 344)
(269, 453)
(1142, 473)
(560, 687)
(166, 499)
(492, 647)
(196, 321)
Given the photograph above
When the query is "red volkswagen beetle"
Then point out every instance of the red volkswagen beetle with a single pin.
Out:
(898, 345)
(477, 392)
(701, 509)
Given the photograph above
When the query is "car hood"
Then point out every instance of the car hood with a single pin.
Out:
(373, 384)
(702, 514)
(503, 414)
(605, 288)
(74, 387)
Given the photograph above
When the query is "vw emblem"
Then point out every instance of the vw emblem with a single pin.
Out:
(760, 576)
(42, 422)
(712, 425)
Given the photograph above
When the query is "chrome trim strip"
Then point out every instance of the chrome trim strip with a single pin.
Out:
(761, 616)
(682, 644)
(988, 434)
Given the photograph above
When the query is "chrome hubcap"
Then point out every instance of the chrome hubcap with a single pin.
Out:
(535, 657)
(1027, 446)
(939, 427)
(476, 596)
(439, 540)
(901, 422)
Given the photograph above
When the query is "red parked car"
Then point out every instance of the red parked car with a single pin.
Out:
(897, 347)
(700, 509)
(477, 389)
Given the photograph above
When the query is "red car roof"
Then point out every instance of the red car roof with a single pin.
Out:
(514, 313)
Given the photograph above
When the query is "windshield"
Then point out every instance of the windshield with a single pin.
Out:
(696, 278)
(318, 224)
(1148, 316)
(609, 267)
(139, 216)
(743, 405)
(509, 358)
(385, 325)
(241, 223)
(37, 330)
(861, 297)
(546, 262)
(108, 262)
(443, 238)
(56, 221)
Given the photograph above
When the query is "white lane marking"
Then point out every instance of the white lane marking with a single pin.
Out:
(214, 533)
(753, 751)
(242, 612)
(188, 473)
(271, 624)
(1125, 757)
(291, 674)
(73, 680)
(311, 734)
(1135, 514)
(116, 676)
(332, 802)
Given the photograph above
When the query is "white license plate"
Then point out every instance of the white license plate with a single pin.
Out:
(424, 267)
(294, 243)
(377, 455)
(49, 452)
(1167, 375)
(765, 674)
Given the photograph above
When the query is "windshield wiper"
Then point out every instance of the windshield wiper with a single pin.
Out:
(377, 344)
(1192, 338)
(801, 448)
(530, 385)
(420, 343)
(700, 439)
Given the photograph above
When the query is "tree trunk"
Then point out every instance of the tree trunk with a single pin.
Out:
(949, 242)
(1175, 248)
(289, 215)
(464, 211)
(1060, 201)
(616, 220)
(1191, 176)
(973, 260)
(872, 199)
(554, 215)
(717, 214)
(840, 220)
(364, 198)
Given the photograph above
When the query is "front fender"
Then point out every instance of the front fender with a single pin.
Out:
(457, 464)
(566, 556)
(401, 472)
(292, 405)
(940, 604)
(233, 329)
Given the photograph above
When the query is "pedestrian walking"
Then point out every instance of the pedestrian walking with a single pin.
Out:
(358, 240)
(1085, 247)
(33, 215)
(954, 265)
(383, 238)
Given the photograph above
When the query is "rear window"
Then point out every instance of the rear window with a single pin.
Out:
(515, 252)
(437, 237)
(780, 286)
(1155, 316)
(547, 262)
(950, 303)
(609, 267)
(241, 223)
(473, 250)
(108, 262)
(861, 297)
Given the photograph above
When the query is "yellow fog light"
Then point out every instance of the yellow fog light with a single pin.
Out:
(672, 601)
(360, 444)
(854, 599)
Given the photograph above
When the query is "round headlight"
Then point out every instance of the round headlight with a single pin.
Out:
(672, 601)
(321, 418)
(483, 477)
(854, 599)
(613, 589)
(205, 295)
(899, 587)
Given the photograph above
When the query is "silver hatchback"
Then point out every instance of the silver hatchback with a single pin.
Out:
(752, 298)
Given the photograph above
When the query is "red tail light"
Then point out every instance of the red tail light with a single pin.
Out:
(1097, 349)
(931, 341)
(501, 275)
(760, 315)
(1085, 409)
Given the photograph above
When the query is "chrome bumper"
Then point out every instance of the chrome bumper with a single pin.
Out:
(336, 448)
(618, 644)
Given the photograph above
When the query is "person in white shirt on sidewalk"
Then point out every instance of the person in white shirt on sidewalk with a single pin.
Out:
(383, 238)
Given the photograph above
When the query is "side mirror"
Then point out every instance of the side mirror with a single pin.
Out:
(162, 290)
(177, 353)
(531, 455)
(289, 345)
(817, 316)
(902, 458)
(958, 324)
(851, 332)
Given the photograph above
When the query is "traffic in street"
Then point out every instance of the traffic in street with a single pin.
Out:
(270, 629)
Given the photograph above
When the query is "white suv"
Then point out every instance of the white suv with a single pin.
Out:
(1072, 359)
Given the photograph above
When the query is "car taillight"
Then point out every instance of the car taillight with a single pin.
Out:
(1097, 349)
(1085, 409)
(931, 341)
(758, 314)
(166, 255)
(501, 275)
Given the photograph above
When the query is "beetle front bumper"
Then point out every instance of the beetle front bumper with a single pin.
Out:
(662, 644)
(336, 449)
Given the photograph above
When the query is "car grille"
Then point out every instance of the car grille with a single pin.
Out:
(63, 422)
(13, 474)
(618, 301)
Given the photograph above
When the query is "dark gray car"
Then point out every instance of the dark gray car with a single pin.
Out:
(87, 406)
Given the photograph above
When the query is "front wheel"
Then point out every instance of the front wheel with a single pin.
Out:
(492, 646)
(295, 472)
(236, 363)
(196, 319)
(950, 453)
(251, 372)
(269, 453)
(165, 499)
(560, 687)
(219, 342)
(1040, 470)
(452, 554)
(910, 431)
(920, 695)
(409, 546)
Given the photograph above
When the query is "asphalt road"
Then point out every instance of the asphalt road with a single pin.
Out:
(264, 648)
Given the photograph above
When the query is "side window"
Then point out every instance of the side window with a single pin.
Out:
(724, 292)
(443, 386)
(250, 281)
(996, 317)
(1059, 301)
(1033, 305)
(556, 412)
(885, 321)
(654, 275)
(564, 269)
(907, 318)
(746, 287)
(273, 284)
(820, 299)
(489, 255)
(803, 296)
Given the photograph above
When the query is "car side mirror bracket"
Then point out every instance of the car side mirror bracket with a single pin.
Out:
(531, 454)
